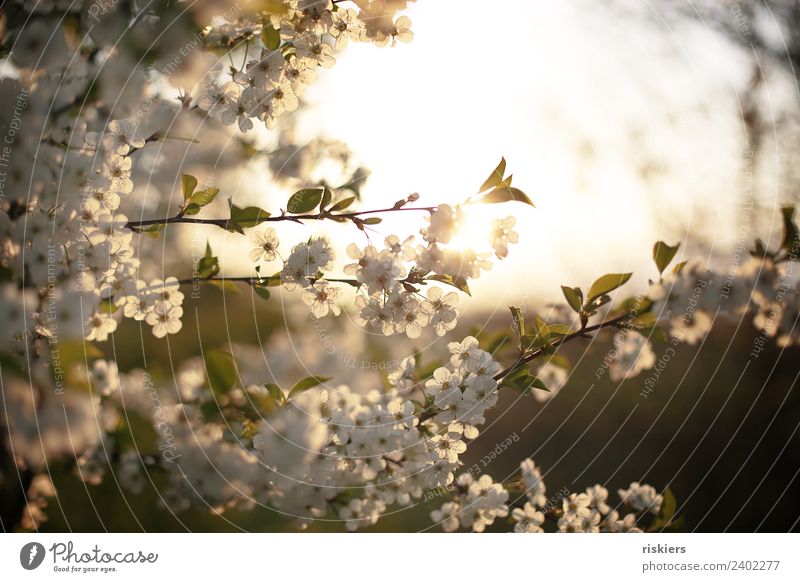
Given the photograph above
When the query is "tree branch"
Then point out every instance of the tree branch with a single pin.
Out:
(524, 359)
(136, 225)
(432, 411)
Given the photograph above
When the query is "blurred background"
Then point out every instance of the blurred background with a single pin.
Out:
(626, 123)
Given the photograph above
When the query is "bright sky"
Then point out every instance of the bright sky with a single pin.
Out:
(580, 101)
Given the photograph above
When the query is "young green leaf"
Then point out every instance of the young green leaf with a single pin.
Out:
(276, 393)
(247, 217)
(606, 284)
(305, 200)
(574, 297)
(496, 177)
(154, 230)
(271, 37)
(221, 370)
(679, 267)
(207, 267)
(307, 383)
(458, 282)
(506, 194)
(327, 196)
(559, 360)
(226, 285)
(646, 324)
(666, 514)
(532, 341)
(199, 199)
(261, 291)
(524, 383)
(663, 255)
(644, 320)
(343, 204)
(557, 329)
(188, 184)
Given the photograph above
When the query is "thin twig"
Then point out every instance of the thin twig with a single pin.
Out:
(135, 225)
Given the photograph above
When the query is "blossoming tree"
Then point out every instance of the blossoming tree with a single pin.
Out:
(104, 111)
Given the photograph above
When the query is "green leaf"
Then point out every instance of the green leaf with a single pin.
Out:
(220, 369)
(154, 230)
(188, 184)
(327, 195)
(644, 321)
(107, 306)
(679, 267)
(534, 340)
(524, 383)
(574, 297)
(225, 285)
(663, 255)
(559, 360)
(246, 217)
(261, 291)
(275, 392)
(200, 199)
(305, 200)
(191, 209)
(557, 329)
(204, 197)
(343, 204)
(539, 385)
(518, 320)
(271, 37)
(597, 303)
(667, 513)
(496, 177)
(606, 284)
(208, 265)
(307, 383)
(458, 282)
(271, 281)
(506, 194)
(372, 220)
(646, 324)
(636, 305)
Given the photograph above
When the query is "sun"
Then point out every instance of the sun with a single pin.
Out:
(475, 230)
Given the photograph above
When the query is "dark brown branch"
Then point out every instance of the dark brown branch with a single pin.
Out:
(136, 225)
(524, 359)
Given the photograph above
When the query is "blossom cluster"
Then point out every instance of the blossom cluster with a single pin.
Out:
(72, 267)
(306, 34)
(326, 450)
(74, 244)
(477, 503)
(686, 302)
(64, 232)
(325, 442)
(388, 278)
